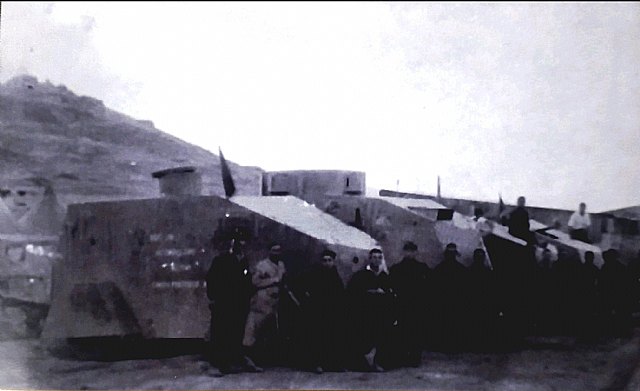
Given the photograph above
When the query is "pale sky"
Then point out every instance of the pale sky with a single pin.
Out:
(541, 100)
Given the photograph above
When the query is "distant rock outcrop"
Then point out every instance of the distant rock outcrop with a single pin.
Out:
(89, 152)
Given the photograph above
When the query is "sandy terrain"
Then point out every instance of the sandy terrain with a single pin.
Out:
(552, 364)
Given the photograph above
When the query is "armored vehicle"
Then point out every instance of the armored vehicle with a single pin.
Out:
(389, 220)
(137, 267)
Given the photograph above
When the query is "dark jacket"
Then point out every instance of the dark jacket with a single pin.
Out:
(519, 223)
(370, 300)
(229, 282)
(229, 289)
(322, 300)
(408, 280)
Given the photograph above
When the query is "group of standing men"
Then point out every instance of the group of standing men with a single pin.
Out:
(569, 296)
(384, 317)
(518, 222)
(377, 321)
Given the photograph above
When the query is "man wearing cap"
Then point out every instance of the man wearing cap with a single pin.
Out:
(449, 278)
(480, 304)
(409, 281)
(229, 290)
(322, 300)
(266, 276)
(579, 224)
(370, 299)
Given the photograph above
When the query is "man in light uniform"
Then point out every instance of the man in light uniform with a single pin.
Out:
(579, 224)
(266, 277)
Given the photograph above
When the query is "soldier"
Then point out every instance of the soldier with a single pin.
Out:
(515, 316)
(634, 273)
(266, 276)
(229, 290)
(567, 272)
(519, 222)
(545, 289)
(579, 224)
(370, 312)
(590, 301)
(409, 280)
(615, 290)
(481, 301)
(322, 299)
(449, 279)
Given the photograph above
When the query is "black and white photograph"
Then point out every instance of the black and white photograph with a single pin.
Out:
(320, 196)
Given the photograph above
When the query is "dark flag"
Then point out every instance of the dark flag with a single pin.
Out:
(227, 179)
(501, 208)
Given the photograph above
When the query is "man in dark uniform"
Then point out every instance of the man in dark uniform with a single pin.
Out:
(634, 274)
(590, 304)
(480, 300)
(567, 272)
(370, 313)
(615, 288)
(409, 281)
(519, 222)
(229, 290)
(545, 293)
(449, 279)
(322, 299)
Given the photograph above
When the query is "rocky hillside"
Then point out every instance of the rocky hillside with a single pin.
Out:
(89, 152)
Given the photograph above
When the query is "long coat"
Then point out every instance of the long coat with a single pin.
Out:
(615, 289)
(229, 289)
(519, 224)
(370, 311)
(322, 298)
(449, 279)
(409, 282)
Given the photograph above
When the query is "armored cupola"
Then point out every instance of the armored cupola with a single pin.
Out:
(302, 183)
(179, 181)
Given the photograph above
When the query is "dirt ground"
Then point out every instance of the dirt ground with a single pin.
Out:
(549, 364)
